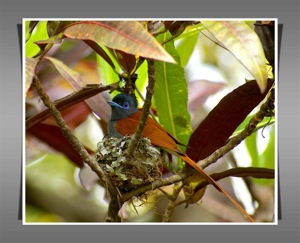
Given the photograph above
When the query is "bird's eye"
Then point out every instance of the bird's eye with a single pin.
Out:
(125, 105)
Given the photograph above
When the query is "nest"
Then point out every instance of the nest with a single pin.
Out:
(129, 171)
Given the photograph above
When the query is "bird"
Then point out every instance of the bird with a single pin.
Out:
(125, 118)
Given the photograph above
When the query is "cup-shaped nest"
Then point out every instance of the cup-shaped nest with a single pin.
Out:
(128, 171)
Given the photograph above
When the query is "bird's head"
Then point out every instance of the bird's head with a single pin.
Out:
(122, 105)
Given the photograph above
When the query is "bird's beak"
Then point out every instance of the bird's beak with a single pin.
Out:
(114, 104)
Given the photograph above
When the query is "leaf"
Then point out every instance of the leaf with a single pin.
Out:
(30, 65)
(267, 158)
(244, 44)
(186, 47)
(126, 61)
(222, 121)
(98, 49)
(96, 103)
(39, 33)
(171, 95)
(30, 25)
(107, 74)
(53, 136)
(127, 36)
(70, 75)
(251, 145)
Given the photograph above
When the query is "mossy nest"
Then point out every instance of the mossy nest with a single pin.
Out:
(129, 171)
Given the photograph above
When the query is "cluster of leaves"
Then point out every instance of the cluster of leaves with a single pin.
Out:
(117, 51)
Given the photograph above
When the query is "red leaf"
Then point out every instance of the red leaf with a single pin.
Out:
(53, 137)
(128, 36)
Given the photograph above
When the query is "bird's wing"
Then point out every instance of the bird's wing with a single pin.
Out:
(154, 131)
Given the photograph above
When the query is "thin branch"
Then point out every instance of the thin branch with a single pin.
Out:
(79, 148)
(254, 172)
(154, 185)
(69, 100)
(146, 107)
(172, 204)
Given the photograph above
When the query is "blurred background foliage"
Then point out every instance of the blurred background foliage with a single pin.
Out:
(60, 189)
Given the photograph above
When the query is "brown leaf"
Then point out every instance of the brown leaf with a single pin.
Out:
(100, 52)
(222, 121)
(96, 103)
(30, 65)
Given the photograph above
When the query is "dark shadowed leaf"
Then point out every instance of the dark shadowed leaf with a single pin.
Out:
(244, 44)
(98, 49)
(127, 36)
(222, 121)
(50, 133)
(126, 61)
(53, 137)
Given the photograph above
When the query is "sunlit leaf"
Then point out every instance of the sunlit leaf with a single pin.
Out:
(171, 95)
(267, 157)
(191, 31)
(127, 36)
(244, 44)
(251, 145)
(186, 47)
(37, 33)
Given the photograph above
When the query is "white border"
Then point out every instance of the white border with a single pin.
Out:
(146, 223)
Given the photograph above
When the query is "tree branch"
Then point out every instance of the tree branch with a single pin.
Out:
(79, 148)
(71, 99)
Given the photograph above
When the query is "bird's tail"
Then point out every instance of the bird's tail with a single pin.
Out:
(215, 184)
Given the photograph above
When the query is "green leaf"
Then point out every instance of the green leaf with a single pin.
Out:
(38, 33)
(191, 31)
(251, 145)
(186, 47)
(107, 73)
(244, 44)
(265, 122)
(127, 36)
(267, 158)
(171, 95)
